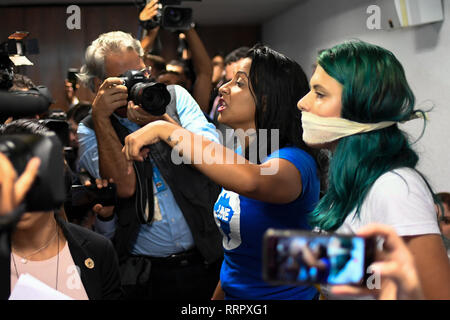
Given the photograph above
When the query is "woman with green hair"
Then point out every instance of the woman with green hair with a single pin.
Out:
(358, 95)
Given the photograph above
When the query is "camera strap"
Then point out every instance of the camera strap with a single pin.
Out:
(144, 175)
(145, 205)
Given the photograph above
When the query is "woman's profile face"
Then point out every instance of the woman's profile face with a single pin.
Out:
(237, 105)
(324, 97)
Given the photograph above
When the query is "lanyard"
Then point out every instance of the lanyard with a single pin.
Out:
(157, 179)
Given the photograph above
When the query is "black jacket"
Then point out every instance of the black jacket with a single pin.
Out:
(101, 280)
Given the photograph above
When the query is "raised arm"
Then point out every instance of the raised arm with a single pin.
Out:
(148, 39)
(203, 69)
(148, 13)
(222, 165)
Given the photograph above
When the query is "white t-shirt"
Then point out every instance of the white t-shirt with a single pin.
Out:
(399, 198)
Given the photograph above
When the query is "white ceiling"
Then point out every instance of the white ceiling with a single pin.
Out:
(206, 12)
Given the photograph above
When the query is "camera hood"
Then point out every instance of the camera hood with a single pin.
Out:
(48, 190)
(25, 103)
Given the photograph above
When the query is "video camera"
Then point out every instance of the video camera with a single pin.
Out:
(153, 97)
(172, 16)
(12, 53)
(19, 103)
(48, 190)
(56, 121)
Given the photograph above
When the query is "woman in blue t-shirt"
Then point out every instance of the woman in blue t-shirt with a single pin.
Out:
(261, 189)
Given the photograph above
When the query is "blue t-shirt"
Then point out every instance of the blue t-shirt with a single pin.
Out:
(243, 222)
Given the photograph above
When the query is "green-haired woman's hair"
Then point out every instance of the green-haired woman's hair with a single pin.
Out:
(374, 90)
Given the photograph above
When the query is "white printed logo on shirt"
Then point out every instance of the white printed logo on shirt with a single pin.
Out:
(227, 213)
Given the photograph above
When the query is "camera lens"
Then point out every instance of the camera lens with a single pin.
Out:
(175, 15)
(176, 18)
(152, 97)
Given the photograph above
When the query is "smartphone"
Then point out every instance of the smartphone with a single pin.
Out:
(305, 258)
(72, 77)
(91, 195)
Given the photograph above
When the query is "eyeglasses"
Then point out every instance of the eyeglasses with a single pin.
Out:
(147, 71)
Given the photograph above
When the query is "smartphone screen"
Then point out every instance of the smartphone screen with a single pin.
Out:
(296, 257)
(72, 77)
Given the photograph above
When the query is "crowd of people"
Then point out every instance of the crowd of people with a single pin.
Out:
(246, 143)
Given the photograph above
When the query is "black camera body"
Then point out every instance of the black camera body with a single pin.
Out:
(172, 17)
(48, 191)
(60, 128)
(176, 18)
(88, 196)
(153, 97)
(19, 104)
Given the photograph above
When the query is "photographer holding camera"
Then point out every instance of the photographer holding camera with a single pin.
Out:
(166, 238)
(73, 260)
(177, 19)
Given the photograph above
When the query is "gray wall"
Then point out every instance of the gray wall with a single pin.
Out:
(424, 52)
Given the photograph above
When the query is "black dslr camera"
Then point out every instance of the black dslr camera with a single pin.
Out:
(153, 97)
(172, 16)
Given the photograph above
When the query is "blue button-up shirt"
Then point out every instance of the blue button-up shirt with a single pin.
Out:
(171, 234)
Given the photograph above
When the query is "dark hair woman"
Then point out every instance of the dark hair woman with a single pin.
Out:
(73, 260)
(261, 189)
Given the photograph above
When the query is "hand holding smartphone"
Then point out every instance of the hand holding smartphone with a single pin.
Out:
(72, 77)
(305, 258)
(83, 195)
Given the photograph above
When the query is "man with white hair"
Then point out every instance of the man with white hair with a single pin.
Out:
(162, 226)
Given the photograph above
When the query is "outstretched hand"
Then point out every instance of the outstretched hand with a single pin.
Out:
(150, 11)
